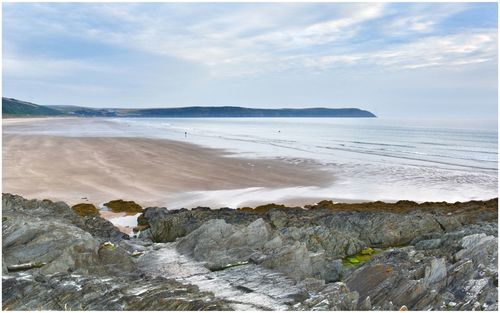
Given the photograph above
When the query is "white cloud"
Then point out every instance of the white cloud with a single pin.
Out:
(252, 39)
(450, 50)
(420, 18)
(46, 68)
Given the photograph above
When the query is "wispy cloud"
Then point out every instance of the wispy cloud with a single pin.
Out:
(177, 46)
(244, 39)
(47, 68)
(448, 50)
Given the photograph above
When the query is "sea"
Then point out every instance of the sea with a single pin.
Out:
(368, 158)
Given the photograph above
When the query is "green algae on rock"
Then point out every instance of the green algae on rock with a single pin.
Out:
(85, 209)
(363, 256)
(119, 206)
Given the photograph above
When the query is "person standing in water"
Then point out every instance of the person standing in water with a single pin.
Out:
(185, 134)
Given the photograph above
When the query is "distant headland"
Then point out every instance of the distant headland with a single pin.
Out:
(17, 108)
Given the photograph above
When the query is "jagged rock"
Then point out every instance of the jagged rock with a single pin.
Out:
(334, 297)
(278, 218)
(430, 256)
(116, 259)
(102, 293)
(220, 244)
(428, 244)
(167, 226)
(54, 259)
(292, 260)
(61, 247)
(366, 305)
(425, 282)
(435, 273)
(46, 210)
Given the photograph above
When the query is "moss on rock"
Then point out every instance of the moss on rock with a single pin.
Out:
(119, 206)
(85, 209)
(264, 208)
(367, 251)
(363, 256)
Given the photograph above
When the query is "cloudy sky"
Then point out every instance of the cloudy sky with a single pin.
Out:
(397, 60)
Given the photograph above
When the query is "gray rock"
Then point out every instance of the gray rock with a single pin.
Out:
(293, 260)
(62, 247)
(63, 292)
(334, 297)
(452, 258)
(428, 244)
(435, 273)
(365, 305)
(53, 259)
(220, 244)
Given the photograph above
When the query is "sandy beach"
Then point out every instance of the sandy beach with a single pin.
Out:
(148, 171)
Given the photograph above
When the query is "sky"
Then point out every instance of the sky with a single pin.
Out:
(395, 59)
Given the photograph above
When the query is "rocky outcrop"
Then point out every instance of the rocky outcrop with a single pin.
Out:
(428, 256)
(17, 207)
(222, 245)
(431, 256)
(310, 241)
(423, 279)
(55, 259)
(63, 292)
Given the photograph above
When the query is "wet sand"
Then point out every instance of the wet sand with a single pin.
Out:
(151, 172)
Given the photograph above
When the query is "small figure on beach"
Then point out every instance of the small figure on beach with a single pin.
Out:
(185, 134)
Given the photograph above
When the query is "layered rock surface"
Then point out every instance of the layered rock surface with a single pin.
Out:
(84, 263)
(436, 256)
(433, 255)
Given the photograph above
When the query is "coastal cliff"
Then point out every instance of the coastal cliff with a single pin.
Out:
(370, 256)
(13, 108)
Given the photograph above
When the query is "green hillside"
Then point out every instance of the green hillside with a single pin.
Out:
(13, 107)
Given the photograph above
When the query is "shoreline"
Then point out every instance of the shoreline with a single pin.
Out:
(26, 119)
(176, 173)
(152, 172)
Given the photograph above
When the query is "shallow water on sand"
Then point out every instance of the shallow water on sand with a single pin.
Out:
(369, 159)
